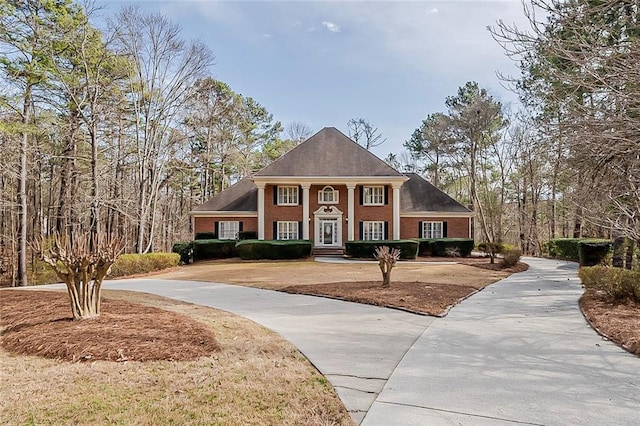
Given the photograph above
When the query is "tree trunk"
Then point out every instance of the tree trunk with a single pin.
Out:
(22, 278)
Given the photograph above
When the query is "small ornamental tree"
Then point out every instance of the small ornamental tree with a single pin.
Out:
(387, 259)
(81, 262)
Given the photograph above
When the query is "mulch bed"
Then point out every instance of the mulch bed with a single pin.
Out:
(40, 323)
(619, 322)
(418, 297)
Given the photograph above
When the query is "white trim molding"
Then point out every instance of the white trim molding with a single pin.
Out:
(437, 214)
(223, 213)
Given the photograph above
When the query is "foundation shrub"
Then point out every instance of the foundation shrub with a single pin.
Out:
(444, 247)
(510, 258)
(366, 249)
(276, 249)
(214, 249)
(617, 283)
(184, 250)
(247, 235)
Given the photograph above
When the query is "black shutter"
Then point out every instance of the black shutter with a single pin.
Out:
(444, 229)
(275, 231)
(240, 226)
(216, 229)
(361, 198)
(386, 229)
(300, 230)
(275, 195)
(300, 195)
(420, 235)
(360, 227)
(386, 195)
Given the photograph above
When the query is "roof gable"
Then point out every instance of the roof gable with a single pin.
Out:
(328, 153)
(418, 195)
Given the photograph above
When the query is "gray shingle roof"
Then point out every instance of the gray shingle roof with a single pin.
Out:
(418, 195)
(242, 196)
(328, 153)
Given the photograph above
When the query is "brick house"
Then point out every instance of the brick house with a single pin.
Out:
(330, 190)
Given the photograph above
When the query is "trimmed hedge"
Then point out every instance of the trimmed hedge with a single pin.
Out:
(276, 249)
(443, 247)
(594, 252)
(565, 248)
(366, 249)
(213, 249)
(618, 283)
(130, 264)
(190, 251)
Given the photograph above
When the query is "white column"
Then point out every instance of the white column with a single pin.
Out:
(396, 212)
(305, 211)
(350, 212)
(260, 211)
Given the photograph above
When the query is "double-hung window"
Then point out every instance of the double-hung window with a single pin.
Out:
(287, 230)
(431, 229)
(373, 195)
(287, 195)
(228, 230)
(372, 230)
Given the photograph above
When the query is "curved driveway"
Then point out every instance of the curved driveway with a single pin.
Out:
(517, 352)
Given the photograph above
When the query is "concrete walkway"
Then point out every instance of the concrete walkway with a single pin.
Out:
(517, 352)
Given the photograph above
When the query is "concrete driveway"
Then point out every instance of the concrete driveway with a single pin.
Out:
(517, 352)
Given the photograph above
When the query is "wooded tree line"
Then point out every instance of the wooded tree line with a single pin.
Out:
(119, 130)
(568, 165)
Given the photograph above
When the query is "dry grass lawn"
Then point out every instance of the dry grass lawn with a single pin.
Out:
(422, 287)
(254, 378)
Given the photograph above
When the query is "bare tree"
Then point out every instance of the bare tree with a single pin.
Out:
(81, 262)
(164, 70)
(387, 259)
(297, 131)
(364, 133)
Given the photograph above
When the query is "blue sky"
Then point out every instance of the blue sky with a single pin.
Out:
(324, 62)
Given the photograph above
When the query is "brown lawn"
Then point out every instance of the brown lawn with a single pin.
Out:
(231, 370)
(425, 287)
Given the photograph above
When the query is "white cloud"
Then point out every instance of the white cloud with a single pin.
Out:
(334, 28)
(432, 11)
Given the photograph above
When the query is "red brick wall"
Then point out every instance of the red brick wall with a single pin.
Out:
(274, 213)
(207, 224)
(457, 227)
(366, 213)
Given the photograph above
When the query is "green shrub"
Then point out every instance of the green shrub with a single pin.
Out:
(42, 273)
(564, 248)
(185, 250)
(617, 283)
(205, 236)
(213, 249)
(273, 249)
(510, 258)
(247, 235)
(130, 264)
(446, 247)
(594, 252)
(366, 249)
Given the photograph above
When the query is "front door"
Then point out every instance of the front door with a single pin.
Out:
(329, 232)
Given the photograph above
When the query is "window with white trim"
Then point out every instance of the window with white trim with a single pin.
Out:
(228, 230)
(372, 231)
(287, 195)
(373, 195)
(327, 195)
(431, 229)
(287, 230)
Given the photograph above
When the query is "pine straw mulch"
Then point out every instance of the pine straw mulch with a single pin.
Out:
(40, 323)
(417, 297)
(617, 321)
(422, 298)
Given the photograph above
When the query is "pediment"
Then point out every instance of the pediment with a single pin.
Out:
(328, 211)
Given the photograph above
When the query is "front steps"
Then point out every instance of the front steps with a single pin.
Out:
(328, 251)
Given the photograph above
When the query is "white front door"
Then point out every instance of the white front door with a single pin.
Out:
(329, 232)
